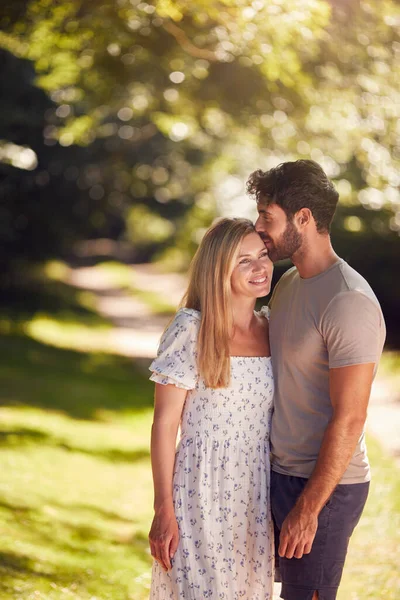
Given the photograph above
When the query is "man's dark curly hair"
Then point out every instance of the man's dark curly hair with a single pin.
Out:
(296, 185)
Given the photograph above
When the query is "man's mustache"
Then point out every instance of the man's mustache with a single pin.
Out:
(265, 238)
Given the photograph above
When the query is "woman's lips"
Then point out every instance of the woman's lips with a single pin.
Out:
(258, 281)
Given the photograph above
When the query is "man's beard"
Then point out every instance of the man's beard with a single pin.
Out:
(289, 242)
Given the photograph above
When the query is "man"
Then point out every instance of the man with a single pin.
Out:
(326, 333)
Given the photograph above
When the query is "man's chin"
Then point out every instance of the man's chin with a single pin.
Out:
(275, 255)
(272, 253)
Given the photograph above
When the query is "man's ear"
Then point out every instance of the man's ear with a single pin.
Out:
(303, 217)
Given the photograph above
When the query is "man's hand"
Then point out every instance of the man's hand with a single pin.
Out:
(297, 533)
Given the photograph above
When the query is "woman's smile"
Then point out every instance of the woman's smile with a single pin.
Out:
(258, 281)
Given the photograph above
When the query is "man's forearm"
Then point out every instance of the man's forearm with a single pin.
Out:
(337, 448)
(349, 389)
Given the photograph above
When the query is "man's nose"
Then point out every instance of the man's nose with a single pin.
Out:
(257, 225)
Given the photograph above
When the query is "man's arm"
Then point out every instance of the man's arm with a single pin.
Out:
(350, 389)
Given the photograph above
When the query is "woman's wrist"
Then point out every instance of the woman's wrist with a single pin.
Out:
(163, 504)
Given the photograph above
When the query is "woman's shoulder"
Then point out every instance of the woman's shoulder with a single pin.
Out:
(184, 313)
(187, 318)
(176, 356)
(186, 321)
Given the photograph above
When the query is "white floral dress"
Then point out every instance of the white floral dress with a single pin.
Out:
(221, 477)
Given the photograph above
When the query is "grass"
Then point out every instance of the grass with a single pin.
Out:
(75, 499)
(371, 570)
(75, 484)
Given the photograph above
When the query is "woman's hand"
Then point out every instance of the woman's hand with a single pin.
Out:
(164, 536)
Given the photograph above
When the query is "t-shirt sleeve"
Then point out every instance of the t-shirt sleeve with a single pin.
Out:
(176, 357)
(352, 329)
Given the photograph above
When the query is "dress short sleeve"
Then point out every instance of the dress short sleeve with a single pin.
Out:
(176, 357)
(265, 311)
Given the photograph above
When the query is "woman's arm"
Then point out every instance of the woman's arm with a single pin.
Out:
(164, 536)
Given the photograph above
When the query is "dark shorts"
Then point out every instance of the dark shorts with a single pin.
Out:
(321, 570)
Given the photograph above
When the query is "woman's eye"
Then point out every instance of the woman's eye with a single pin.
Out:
(244, 261)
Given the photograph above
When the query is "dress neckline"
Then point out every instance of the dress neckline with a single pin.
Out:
(235, 356)
(263, 312)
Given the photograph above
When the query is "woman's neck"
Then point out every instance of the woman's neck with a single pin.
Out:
(243, 313)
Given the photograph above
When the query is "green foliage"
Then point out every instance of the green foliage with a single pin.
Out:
(176, 80)
(144, 227)
(120, 119)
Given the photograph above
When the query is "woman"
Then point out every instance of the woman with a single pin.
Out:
(211, 535)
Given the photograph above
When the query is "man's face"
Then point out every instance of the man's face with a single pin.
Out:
(280, 236)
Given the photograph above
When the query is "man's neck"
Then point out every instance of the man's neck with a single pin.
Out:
(315, 257)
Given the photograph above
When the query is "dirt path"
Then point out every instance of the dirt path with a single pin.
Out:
(136, 330)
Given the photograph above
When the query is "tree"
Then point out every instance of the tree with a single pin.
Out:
(146, 106)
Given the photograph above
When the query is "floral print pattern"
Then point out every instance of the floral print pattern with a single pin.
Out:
(221, 477)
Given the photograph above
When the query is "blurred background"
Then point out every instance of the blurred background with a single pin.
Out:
(126, 127)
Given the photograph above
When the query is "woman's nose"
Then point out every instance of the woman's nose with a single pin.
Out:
(258, 265)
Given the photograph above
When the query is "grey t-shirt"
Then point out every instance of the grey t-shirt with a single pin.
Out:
(327, 321)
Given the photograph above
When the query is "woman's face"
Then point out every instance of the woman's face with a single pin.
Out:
(252, 273)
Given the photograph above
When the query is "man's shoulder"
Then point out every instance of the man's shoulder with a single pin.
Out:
(347, 282)
(350, 303)
(352, 278)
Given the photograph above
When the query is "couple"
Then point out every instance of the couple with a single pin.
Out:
(271, 404)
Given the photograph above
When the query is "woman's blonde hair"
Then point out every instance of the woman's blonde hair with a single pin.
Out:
(209, 291)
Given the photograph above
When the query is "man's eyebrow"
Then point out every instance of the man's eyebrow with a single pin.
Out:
(264, 211)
